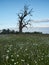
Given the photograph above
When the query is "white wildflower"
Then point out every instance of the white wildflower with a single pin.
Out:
(35, 61)
(41, 58)
(17, 55)
(47, 61)
(20, 47)
(26, 54)
(11, 55)
(12, 59)
(22, 60)
(35, 44)
(11, 45)
(7, 57)
(3, 56)
(7, 51)
(10, 64)
(17, 62)
(48, 55)
(28, 57)
(14, 48)
(27, 64)
(26, 49)
(14, 63)
(43, 53)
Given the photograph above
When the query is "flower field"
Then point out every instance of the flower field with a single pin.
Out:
(24, 49)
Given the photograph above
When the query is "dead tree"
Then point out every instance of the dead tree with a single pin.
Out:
(23, 22)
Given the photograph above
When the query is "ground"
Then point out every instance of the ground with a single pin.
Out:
(24, 49)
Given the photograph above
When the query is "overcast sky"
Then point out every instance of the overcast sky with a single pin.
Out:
(40, 18)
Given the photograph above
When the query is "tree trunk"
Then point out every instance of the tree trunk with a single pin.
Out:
(20, 27)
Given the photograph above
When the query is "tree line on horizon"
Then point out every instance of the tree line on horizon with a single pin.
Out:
(8, 31)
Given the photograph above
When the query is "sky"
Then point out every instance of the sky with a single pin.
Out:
(10, 8)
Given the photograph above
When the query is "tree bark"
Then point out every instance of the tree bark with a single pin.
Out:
(20, 27)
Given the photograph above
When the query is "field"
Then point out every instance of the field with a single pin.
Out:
(24, 49)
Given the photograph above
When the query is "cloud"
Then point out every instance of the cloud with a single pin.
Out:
(43, 26)
(40, 23)
(42, 20)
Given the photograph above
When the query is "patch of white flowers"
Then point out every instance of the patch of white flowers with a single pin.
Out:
(20, 54)
(7, 57)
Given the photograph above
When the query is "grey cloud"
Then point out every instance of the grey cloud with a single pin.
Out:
(42, 20)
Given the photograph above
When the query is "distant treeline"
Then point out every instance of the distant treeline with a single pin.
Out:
(8, 31)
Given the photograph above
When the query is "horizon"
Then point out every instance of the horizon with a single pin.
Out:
(10, 8)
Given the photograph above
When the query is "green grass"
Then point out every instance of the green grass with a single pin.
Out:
(24, 49)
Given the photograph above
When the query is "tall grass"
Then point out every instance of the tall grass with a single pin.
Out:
(24, 49)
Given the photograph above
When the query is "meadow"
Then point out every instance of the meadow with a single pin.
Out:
(24, 49)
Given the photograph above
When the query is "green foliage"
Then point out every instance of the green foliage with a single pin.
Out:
(24, 49)
(8, 31)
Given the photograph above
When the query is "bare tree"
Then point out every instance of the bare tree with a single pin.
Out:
(22, 17)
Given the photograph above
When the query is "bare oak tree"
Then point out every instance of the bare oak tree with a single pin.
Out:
(22, 17)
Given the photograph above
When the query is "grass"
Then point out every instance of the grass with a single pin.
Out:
(24, 49)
